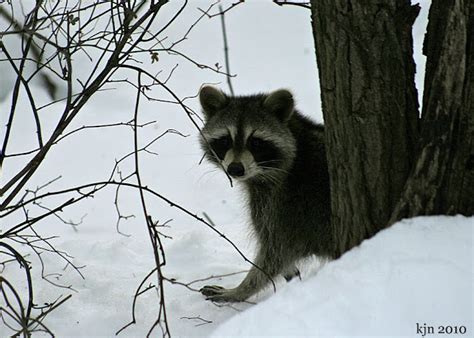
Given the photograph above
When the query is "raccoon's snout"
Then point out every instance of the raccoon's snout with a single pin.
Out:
(236, 169)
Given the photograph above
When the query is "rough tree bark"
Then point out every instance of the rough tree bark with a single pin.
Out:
(385, 163)
(442, 180)
(370, 108)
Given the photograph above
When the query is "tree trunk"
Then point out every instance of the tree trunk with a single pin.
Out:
(442, 180)
(370, 108)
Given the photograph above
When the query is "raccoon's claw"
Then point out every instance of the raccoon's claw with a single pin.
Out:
(290, 275)
(217, 293)
(211, 290)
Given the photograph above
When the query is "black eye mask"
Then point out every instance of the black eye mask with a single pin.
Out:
(265, 153)
(221, 146)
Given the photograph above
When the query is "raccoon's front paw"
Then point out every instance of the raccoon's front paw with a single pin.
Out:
(217, 293)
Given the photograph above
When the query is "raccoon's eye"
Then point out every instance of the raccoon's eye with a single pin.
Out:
(256, 142)
(221, 145)
(264, 152)
(223, 142)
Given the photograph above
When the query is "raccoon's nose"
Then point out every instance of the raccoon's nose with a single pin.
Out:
(236, 169)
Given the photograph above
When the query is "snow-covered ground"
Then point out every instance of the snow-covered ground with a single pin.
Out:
(419, 271)
(415, 275)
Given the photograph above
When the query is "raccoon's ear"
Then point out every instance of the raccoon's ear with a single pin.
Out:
(280, 103)
(212, 100)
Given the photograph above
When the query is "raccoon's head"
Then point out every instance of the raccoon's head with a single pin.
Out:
(248, 136)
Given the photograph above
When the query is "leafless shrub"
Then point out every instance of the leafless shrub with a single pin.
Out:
(115, 36)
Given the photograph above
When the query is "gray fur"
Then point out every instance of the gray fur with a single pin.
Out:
(285, 175)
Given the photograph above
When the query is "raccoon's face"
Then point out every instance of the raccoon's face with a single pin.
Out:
(248, 136)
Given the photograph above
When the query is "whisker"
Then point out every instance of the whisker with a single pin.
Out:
(275, 169)
(269, 161)
(212, 171)
(271, 176)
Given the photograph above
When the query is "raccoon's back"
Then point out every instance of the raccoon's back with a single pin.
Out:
(306, 191)
(310, 166)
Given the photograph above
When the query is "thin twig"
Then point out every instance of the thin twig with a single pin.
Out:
(226, 51)
(304, 4)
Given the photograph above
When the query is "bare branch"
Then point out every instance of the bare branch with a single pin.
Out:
(226, 51)
(304, 4)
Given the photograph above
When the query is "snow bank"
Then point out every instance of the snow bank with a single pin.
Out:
(417, 272)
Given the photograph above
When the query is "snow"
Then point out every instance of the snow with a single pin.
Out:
(417, 271)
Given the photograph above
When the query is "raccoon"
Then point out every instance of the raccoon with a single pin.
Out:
(278, 155)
